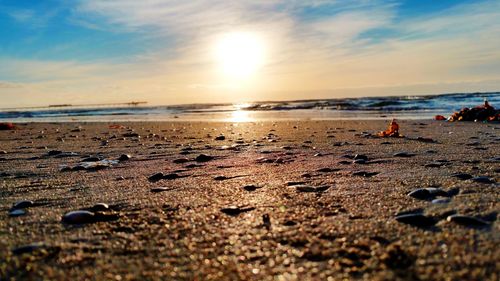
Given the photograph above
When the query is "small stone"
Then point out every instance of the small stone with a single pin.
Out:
(203, 158)
(156, 177)
(360, 156)
(467, 221)
(306, 175)
(17, 212)
(462, 176)
(130, 135)
(403, 154)
(100, 207)
(124, 157)
(428, 193)
(359, 161)
(54, 152)
(23, 204)
(266, 221)
(3, 152)
(78, 217)
(418, 220)
(27, 248)
(289, 223)
(180, 160)
(365, 174)
(482, 179)
(454, 191)
(292, 183)
(251, 187)
(311, 188)
(327, 170)
(234, 211)
(219, 138)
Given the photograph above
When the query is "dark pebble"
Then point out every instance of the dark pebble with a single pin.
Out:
(221, 178)
(251, 187)
(311, 188)
(219, 138)
(203, 158)
(467, 221)
(454, 191)
(462, 176)
(365, 174)
(124, 157)
(78, 217)
(54, 152)
(360, 156)
(327, 170)
(180, 160)
(428, 193)
(130, 135)
(359, 161)
(266, 221)
(22, 204)
(156, 177)
(26, 249)
(234, 211)
(83, 217)
(482, 179)
(289, 223)
(403, 154)
(172, 176)
(418, 220)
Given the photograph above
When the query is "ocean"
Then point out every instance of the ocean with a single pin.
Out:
(399, 107)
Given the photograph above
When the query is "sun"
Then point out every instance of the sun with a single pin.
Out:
(239, 54)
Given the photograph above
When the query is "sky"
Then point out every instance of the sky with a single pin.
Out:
(164, 51)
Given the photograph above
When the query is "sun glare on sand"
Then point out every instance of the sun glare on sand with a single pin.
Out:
(239, 54)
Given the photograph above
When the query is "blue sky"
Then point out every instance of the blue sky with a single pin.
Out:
(90, 51)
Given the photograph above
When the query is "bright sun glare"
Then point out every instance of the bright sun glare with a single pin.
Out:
(239, 54)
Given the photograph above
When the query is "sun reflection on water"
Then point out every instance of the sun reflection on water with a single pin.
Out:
(240, 116)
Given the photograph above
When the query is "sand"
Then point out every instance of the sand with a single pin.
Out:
(240, 216)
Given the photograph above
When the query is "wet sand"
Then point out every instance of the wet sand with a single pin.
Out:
(297, 200)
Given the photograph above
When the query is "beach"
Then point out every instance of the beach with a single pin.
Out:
(286, 200)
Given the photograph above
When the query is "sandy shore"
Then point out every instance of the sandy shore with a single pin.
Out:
(278, 201)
